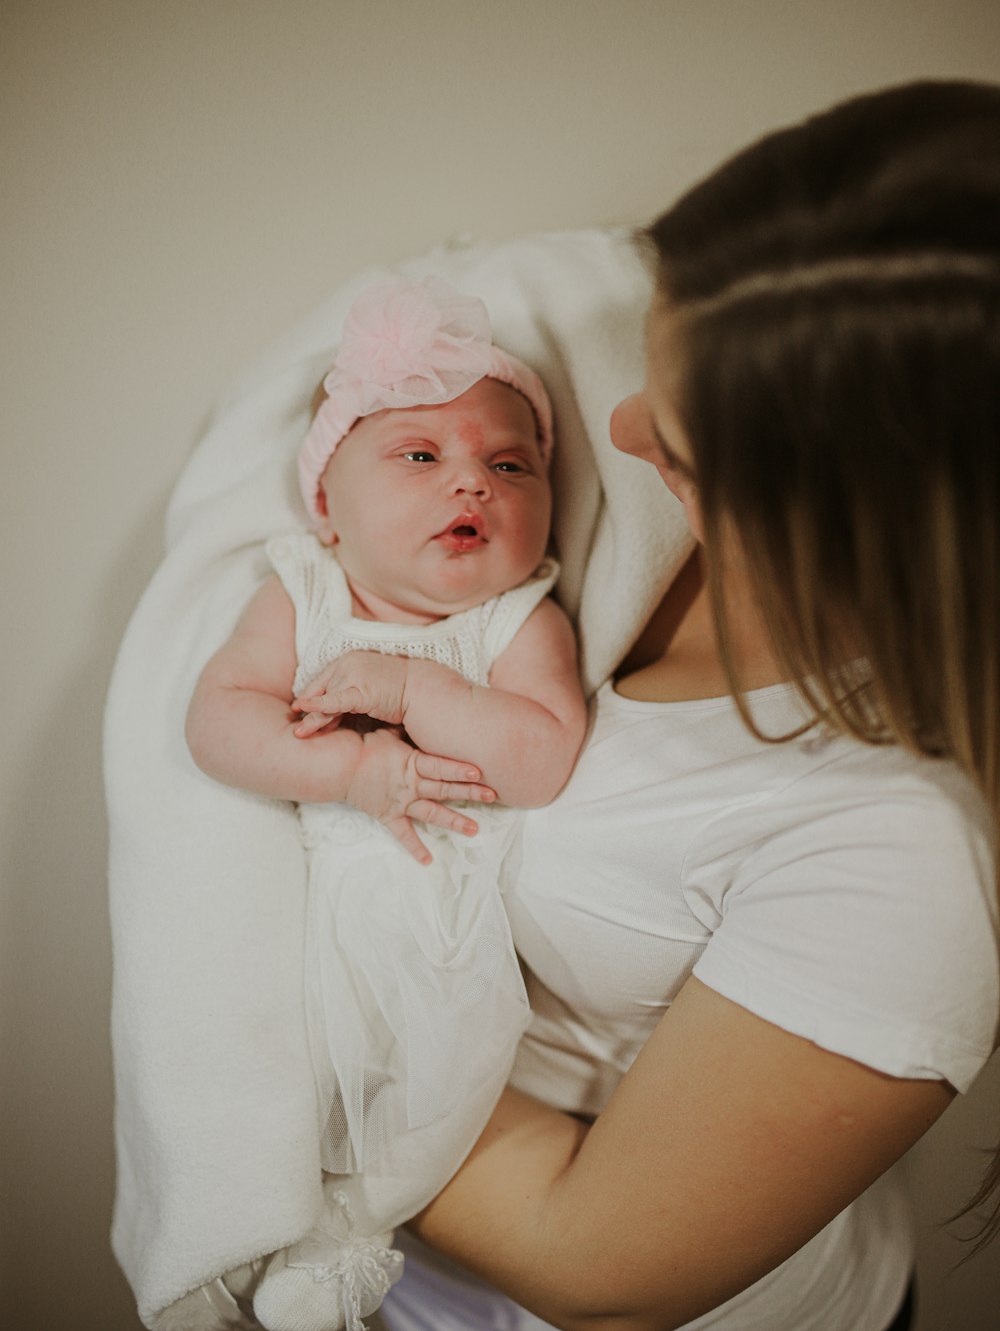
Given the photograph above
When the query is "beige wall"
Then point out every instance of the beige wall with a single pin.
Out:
(182, 179)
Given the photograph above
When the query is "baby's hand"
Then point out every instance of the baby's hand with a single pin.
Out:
(397, 783)
(365, 683)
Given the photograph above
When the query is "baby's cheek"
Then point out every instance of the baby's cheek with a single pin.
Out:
(534, 545)
(535, 527)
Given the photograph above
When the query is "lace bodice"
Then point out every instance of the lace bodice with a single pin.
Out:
(468, 642)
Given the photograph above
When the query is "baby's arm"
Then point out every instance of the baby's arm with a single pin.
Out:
(239, 730)
(523, 731)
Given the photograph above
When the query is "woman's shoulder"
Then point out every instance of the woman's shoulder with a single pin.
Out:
(899, 796)
(842, 812)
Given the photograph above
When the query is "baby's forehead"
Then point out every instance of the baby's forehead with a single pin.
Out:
(487, 404)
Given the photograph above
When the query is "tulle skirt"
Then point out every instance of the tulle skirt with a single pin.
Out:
(414, 1000)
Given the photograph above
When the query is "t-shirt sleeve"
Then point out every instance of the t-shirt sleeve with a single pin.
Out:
(867, 925)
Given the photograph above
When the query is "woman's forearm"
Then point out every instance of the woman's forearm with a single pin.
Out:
(494, 1215)
(727, 1146)
(507, 1215)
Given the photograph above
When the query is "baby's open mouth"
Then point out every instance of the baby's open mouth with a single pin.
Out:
(467, 532)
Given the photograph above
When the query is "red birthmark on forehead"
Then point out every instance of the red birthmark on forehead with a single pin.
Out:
(470, 431)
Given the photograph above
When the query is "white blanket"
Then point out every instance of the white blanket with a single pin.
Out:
(216, 1130)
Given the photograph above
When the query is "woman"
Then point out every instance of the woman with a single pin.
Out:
(768, 893)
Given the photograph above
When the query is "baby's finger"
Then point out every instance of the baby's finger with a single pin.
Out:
(315, 721)
(337, 701)
(317, 685)
(309, 702)
(429, 811)
(436, 768)
(402, 829)
(471, 791)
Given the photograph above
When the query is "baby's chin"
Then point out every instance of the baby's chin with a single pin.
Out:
(439, 604)
(460, 584)
(456, 589)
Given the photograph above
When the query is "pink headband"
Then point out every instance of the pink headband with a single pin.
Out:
(409, 344)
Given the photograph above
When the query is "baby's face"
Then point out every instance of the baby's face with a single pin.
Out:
(436, 509)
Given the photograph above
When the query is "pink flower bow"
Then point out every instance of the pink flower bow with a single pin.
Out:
(411, 343)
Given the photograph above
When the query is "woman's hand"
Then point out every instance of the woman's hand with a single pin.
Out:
(398, 784)
(360, 683)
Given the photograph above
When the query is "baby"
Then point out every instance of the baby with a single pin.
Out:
(413, 626)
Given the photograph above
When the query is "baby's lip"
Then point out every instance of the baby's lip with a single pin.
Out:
(464, 533)
(467, 525)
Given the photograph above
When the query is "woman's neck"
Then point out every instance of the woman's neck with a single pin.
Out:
(677, 658)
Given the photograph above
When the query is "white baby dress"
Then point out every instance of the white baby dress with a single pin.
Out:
(414, 996)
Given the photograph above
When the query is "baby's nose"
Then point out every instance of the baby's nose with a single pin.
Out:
(469, 476)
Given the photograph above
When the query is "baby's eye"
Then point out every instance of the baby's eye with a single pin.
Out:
(419, 455)
(508, 465)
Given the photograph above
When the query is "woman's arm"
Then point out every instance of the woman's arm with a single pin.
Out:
(728, 1145)
(523, 731)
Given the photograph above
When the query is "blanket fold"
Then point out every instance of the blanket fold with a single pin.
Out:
(218, 1159)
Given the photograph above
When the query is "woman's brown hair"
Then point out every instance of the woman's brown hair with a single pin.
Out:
(833, 294)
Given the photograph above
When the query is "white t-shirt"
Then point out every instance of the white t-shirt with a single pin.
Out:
(842, 891)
